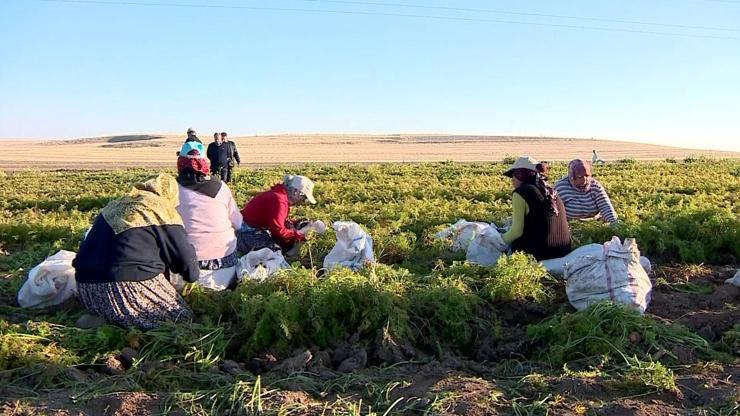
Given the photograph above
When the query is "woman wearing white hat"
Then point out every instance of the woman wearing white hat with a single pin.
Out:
(539, 225)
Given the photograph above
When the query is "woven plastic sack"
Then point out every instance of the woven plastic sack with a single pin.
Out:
(260, 264)
(615, 274)
(462, 233)
(486, 247)
(556, 267)
(354, 247)
(50, 283)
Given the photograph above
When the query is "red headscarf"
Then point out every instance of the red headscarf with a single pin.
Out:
(580, 167)
(193, 162)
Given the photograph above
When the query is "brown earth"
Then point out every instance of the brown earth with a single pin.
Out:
(310, 382)
(260, 151)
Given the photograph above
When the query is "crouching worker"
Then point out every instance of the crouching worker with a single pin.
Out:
(266, 222)
(120, 267)
(539, 225)
(210, 216)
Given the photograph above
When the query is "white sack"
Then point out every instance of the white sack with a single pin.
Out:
(353, 249)
(50, 283)
(259, 264)
(735, 280)
(317, 226)
(556, 267)
(486, 247)
(212, 279)
(462, 233)
(615, 274)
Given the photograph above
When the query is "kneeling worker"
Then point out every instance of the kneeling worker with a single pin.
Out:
(266, 222)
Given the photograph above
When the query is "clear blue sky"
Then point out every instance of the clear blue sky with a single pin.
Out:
(80, 69)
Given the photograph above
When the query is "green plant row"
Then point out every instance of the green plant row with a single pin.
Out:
(686, 212)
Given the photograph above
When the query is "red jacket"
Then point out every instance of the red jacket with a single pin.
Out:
(269, 211)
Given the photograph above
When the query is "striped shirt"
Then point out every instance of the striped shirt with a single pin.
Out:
(586, 204)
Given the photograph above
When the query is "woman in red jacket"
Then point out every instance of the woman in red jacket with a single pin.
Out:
(266, 222)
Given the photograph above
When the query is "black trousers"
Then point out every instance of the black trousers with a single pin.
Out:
(223, 172)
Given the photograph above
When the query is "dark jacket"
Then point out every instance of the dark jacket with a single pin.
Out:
(219, 156)
(545, 234)
(234, 152)
(136, 254)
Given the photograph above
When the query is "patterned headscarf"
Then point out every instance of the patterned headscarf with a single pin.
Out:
(193, 162)
(538, 178)
(580, 167)
(153, 202)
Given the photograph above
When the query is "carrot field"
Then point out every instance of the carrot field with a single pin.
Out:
(420, 332)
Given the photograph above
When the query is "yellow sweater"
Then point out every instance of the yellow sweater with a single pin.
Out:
(517, 220)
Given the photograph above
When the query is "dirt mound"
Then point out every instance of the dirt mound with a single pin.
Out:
(701, 300)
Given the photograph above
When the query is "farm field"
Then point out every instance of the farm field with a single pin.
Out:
(421, 332)
(151, 150)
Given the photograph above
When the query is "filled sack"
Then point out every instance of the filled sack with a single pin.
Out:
(462, 233)
(51, 282)
(486, 247)
(260, 264)
(353, 249)
(556, 266)
(614, 274)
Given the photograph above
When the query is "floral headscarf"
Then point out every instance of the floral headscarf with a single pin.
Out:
(153, 202)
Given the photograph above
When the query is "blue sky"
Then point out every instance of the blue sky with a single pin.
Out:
(74, 69)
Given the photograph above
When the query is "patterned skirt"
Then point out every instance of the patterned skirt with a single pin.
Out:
(143, 304)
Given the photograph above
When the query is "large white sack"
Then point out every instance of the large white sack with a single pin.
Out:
(556, 267)
(49, 283)
(486, 247)
(615, 274)
(353, 249)
(259, 264)
(462, 233)
(212, 279)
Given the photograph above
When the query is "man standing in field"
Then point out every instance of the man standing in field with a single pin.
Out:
(596, 160)
(234, 158)
(223, 156)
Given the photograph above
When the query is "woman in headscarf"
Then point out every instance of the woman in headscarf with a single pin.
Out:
(538, 226)
(121, 265)
(210, 215)
(583, 196)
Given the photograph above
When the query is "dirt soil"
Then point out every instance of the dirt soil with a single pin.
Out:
(452, 384)
(260, 151)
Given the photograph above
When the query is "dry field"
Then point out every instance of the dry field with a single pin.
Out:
(259, 151)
